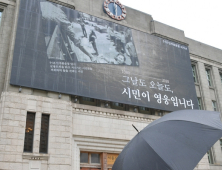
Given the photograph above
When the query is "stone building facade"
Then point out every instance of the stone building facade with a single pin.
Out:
(81, 126)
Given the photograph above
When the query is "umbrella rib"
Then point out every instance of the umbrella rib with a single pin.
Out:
(213, 128)
(127, 152)
(157, 154)
(183, 121)
(182, 133)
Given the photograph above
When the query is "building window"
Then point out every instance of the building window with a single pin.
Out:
(84, 157)
(199, 103)
(90, 160)
(214, 105)
(43, 148)
(95, 158)
(221, 144)
(29, 132)
(144, 109)
(118, 106)
(221, 77)
(88, 101)
(194, 73)
(210, 157)
(160, 113)
(0, 16)
(208, 74)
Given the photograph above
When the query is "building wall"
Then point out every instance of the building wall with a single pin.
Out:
(7, 22)
(72, 127)
(75, 127)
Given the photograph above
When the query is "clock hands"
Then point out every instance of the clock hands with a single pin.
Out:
(115, 7)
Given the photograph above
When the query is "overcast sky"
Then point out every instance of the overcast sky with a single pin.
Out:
(200, 20)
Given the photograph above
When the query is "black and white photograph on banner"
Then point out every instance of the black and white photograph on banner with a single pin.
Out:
(63, 50)
(79, 37)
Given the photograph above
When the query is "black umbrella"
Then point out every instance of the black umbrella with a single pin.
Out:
(177, 141)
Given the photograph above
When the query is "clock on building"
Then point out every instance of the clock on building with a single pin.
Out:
(115, 9)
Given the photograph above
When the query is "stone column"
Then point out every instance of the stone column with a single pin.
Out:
(203, 164)
(5, 37)
(217, 153)
(204, 87)
(218, 87)
(37, 132)
(104, 161)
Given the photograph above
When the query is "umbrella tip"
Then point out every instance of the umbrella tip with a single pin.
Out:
(136, 128)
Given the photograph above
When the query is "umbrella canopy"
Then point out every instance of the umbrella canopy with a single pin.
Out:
(177, 141)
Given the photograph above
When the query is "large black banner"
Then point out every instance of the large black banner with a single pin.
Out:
(63, 50)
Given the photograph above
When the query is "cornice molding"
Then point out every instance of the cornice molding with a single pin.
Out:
(206, 59)
(66, 4)
(90, 144)
(77, 110)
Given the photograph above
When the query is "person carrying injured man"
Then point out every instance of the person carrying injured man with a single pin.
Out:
(118, 60)
(83, 28)
(56, 15)
(92, 40)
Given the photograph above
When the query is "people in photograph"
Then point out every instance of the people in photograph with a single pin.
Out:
(118, 60)
(83, 28)
(109, 32)
(131, 52)
(128, 35)
(130, 49)
(122, 42)
(57, 16)
(92, 40)
(78, 41)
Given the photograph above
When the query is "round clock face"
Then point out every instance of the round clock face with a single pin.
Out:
(115, 9)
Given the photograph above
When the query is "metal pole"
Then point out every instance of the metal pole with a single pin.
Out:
(136, 128)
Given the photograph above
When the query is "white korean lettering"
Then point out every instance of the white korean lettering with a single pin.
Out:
(134, 81)
(165, 97)
(158, 97)
(167, 88)
(128, 93)
(152, 85)
(175, 101)
(190, 103)
(126, 79)
(184, 103)
(142, 82)
(160, 86)
(146, 94)
(136, 94)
